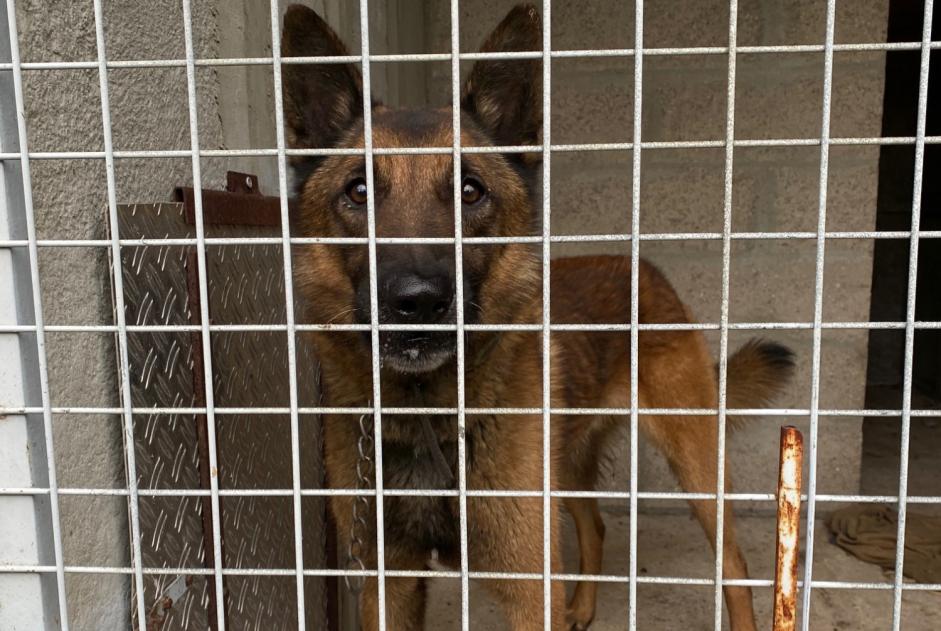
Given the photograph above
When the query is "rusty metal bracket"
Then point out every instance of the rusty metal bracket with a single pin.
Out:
(789, 506)
(241, 203)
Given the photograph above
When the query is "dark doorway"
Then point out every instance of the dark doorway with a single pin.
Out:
(881, 436)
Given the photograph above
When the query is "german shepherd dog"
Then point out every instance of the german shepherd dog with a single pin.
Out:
(502, 284)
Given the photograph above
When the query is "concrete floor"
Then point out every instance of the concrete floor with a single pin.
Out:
(673, 545)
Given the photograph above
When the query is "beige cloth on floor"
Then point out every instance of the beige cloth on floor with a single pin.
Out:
(868, 531)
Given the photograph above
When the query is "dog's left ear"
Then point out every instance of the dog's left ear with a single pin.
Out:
(505, 95)
(320, 100)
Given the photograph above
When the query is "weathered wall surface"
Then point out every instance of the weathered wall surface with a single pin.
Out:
(63, 109)
(774, 188)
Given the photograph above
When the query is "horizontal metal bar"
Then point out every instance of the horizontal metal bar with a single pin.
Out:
(611, 146)
(445, 411)
(432, 57)
(483, 493)
(568, 238)
(742, 326)
(477, 575)
(666, 326)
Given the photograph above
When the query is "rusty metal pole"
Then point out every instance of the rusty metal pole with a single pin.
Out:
(789, 500)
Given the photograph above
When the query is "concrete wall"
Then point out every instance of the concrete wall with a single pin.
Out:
(64, 113)
(774, 189)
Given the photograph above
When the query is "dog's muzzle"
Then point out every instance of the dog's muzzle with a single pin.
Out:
(413, 298)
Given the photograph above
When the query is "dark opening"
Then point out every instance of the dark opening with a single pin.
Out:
(884, 383)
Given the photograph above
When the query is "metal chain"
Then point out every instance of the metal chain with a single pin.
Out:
(358, 525)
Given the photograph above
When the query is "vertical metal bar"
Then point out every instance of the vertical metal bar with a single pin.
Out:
(204, 314)
(118, 279)
(724, 315)
(289, 313)
(635, 301)
(201, 424)
(459, 301)
(546, 303)
(33, 250)
(790, 466)
(910, 312)
(373, 310)
(818, 312)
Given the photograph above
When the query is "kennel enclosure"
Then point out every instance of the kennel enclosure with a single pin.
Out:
(770, 114)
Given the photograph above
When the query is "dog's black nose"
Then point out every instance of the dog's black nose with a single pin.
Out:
(415, 300)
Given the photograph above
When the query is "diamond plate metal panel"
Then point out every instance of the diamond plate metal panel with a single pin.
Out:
(246, 285)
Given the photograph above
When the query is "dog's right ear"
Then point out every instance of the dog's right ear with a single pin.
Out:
(320, 100)
(505, 96)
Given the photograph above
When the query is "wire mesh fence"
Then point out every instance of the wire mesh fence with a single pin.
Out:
(118, 244)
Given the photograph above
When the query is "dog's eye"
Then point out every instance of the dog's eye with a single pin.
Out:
(357, 192)
(472, 191)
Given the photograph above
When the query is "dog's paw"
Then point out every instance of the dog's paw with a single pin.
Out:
(577, 621)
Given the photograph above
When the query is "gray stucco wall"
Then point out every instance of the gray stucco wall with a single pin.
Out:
(684, 99)
(63, 110)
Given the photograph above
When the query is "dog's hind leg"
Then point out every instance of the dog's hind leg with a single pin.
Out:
(590, 527)
(689, 444)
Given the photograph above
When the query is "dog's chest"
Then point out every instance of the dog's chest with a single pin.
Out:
(422, 521)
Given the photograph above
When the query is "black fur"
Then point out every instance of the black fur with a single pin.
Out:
(776, 355)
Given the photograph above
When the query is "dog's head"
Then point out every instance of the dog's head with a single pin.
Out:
(413, 194)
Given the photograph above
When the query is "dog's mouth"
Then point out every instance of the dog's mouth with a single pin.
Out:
(418, 352)
(415, 352)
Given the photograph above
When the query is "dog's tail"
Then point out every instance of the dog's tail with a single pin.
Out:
(757, 374)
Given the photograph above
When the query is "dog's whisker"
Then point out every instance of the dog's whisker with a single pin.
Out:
(340, 315)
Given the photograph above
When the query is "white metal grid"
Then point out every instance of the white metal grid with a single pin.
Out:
(635, 237)
(43, 365)
(373, 312)
(635, 309)
(910, 310)
(123, 367)
(289, 315)
(546, 283)
(818, 311)
(459, 315)
(724, 315)
(204, 318)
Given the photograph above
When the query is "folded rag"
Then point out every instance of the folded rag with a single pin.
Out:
(868, 532)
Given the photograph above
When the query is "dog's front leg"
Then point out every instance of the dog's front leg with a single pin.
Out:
(405, 604)
(404, 597)
(508, 537)
(522, 602)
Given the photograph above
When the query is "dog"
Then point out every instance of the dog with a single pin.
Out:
(501, 284)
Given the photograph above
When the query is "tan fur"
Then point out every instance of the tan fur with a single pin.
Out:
(588, 369)
(755, 372)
